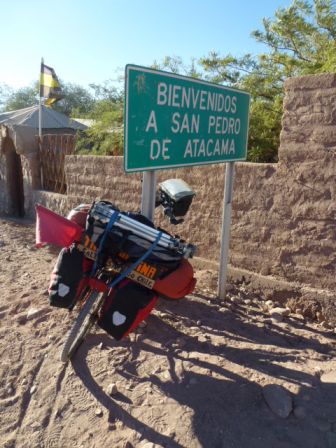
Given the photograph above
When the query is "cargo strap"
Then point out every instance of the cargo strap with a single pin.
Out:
(112, 220)
(124, 274)
(136, 263)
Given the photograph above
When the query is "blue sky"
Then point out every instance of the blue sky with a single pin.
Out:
(91, 41)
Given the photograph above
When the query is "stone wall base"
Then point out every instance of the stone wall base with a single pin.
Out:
(294, 295)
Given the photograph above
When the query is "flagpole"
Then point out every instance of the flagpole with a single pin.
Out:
(40, 121)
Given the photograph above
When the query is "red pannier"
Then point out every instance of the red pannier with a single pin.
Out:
(178, 283)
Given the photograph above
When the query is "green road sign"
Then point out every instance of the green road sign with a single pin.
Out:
(174, 121)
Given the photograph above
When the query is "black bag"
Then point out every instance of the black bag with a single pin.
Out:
(95, 230)
(121, 241)
(66, 278)
(126, 306)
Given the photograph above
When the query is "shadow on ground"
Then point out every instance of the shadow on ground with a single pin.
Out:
(217, 368)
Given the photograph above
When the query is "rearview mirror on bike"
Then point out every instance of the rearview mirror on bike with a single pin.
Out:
(175, 196)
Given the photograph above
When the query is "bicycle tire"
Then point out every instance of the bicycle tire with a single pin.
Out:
(85, 320)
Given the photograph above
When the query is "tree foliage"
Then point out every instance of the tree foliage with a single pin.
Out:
(77, 100)
(102, 103)
(105, 136)
(5, 93)
(299, 40)
(23, 97)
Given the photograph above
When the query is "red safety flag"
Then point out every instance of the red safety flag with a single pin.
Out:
(52, 228)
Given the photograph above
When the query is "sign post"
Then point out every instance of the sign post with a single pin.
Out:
(175, 121)
(148, 194)
(226, 224)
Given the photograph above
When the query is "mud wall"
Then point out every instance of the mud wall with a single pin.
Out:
(284, 214)
(3, 184)
(19, 177)
(11, 183)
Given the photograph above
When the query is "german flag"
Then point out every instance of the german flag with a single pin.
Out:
(50, 87)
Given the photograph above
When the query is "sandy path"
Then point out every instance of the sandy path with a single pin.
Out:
(192, 378)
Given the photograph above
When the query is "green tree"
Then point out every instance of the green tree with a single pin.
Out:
(21, 98)
(175, 64)
(301, 39)
(5, 93)
(108, 90)
(103, 103)
(77, 100)
(105, 136)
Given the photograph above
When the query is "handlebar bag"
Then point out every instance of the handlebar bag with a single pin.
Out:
(67, 277)
(125, 307)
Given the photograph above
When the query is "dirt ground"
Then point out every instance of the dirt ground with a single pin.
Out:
(195, 376)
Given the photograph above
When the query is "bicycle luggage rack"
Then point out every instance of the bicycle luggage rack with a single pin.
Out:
(103, 213)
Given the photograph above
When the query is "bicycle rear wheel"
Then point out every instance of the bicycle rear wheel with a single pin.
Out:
(84, 322)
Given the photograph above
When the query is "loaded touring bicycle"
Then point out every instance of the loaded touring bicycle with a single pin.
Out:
(114, 265)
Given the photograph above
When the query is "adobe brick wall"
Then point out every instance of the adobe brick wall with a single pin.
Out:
(3, 184)
(283, 221)
(284, 214)
(103, 177)
(26, 169)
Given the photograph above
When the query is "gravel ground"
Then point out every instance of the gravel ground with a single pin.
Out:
(201, 373)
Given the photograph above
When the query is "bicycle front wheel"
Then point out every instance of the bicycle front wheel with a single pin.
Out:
(85, 320)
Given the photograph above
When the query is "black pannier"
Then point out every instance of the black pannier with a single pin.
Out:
(125, 307)
(66, 278)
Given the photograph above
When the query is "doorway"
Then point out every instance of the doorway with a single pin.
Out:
(14, 180)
